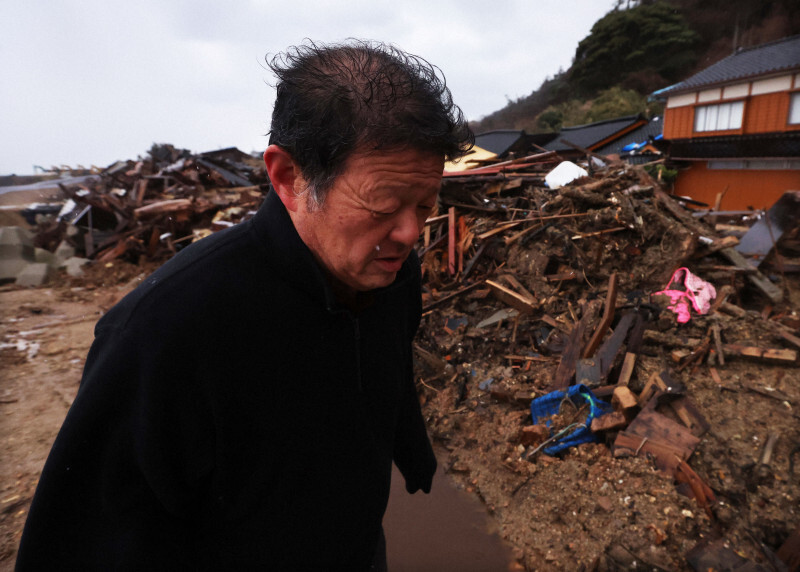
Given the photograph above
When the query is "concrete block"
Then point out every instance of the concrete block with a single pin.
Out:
(10, 268)
(34, 274)
(42, 255)
(16, 242)
(74, 265)
(63, 252)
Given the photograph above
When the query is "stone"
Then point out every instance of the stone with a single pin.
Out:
(63, 252)
(16, 242)
(42, 255)
(74, 265)
(33, 274)
(9, 268)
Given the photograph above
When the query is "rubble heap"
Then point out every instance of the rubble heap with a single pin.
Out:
(152, 207)
(529, 291)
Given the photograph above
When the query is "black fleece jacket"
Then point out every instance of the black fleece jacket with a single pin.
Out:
(233, 416)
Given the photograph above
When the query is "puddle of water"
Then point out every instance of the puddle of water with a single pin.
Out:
(441, 531)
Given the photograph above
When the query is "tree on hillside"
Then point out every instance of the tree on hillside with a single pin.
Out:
(650, 43)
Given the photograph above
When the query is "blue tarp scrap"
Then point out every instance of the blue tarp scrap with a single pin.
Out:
(548, 405)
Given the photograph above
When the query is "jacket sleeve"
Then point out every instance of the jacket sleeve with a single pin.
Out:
(413, 453)
(124, 479)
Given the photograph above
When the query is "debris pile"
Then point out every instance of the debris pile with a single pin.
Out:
(531, 293)
(153, 207)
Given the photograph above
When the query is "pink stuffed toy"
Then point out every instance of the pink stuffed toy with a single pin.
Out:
(696, 292)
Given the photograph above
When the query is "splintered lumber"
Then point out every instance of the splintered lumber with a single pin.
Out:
(517, 285)
(789, 337)
(449, 297)
(613, 421)
(624, 401)
(161, 207)
(499, 228)
(684, 408)
(756, 278)
(776, 355)
(608, 317)
(627, 369)
(451, 243)
(517, 301)
(569, 358)
(653, 433)
(607, 353)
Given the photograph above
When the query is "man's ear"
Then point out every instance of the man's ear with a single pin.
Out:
(284, 174)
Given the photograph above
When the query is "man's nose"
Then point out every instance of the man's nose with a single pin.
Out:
(406, 229)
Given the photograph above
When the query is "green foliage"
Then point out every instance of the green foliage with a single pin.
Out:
(609, 104)
(617, 102)
(652, 37)
(661, 173)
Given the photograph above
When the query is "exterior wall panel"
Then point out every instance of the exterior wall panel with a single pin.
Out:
(736, 91)
(709, 95)
(772, 85)
(766, 113)
(746, 188)
(678, 122)
(681, 100)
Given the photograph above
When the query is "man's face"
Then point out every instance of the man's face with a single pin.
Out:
(372, 216)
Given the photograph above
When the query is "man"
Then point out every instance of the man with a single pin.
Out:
(241, 409)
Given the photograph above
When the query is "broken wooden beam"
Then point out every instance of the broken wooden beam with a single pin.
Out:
(756, 278)
(569, 358)
(769, 354)
(605, 321)
(517, 301)
(613, 421)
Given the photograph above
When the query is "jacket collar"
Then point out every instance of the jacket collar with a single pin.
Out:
(284, 250)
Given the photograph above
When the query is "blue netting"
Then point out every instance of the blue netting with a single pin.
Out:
(548, 405)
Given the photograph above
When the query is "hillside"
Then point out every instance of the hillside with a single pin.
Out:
(637, 48)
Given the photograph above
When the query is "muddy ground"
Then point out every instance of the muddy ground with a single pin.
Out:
(584, 510)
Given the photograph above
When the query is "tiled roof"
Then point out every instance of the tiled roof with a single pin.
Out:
(777, 56)
(591, 134)
(652, 128)
(498, 141)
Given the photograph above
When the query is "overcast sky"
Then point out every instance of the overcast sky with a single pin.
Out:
(88, 82)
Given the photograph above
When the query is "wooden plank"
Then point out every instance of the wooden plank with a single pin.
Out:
(508, 296)
(627, 369)
(451, 242)
(517, 285)
(162, 207)
(607, 353)
(608, 317)
(624, 400)
(757, 279)
(662, 434)
(789, 337)
(777, 355)
(569, 358)
(613, 421)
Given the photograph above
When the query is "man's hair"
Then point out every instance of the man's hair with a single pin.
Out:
(335, 100)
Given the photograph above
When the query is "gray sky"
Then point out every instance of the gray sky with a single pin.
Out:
(92, 81)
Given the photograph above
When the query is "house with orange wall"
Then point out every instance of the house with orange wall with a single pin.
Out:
(734, 127)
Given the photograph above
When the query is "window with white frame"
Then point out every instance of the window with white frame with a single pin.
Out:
(794, 109)
(719, 117)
